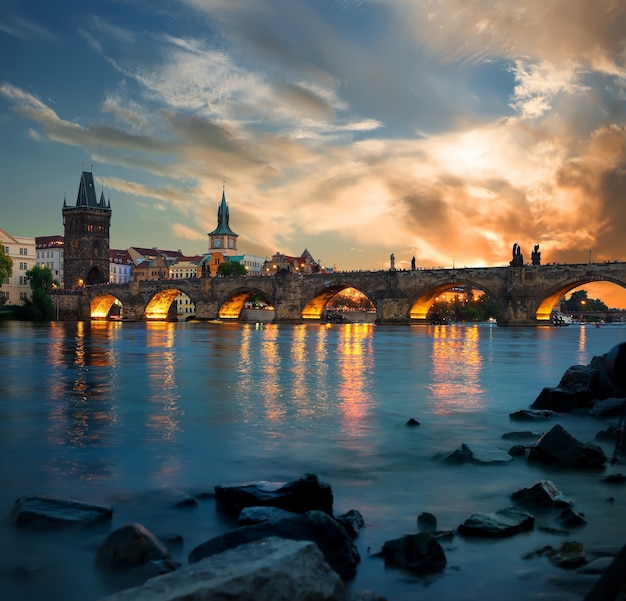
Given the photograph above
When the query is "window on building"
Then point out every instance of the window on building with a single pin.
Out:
(23, 251)
(23, 296)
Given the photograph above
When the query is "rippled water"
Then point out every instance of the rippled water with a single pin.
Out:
(110, 412)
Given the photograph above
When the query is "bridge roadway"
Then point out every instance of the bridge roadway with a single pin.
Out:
(524, 295)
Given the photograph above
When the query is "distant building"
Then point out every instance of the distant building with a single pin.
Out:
(120, 267)
(86, 252)
(222, 239)
(302, 264)
(152, 269)
(50, 250)
(210, 262)
(185, 268)
(22, 251)
(252, 263)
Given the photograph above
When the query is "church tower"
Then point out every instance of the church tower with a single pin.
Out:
(222, 239)
(86, 245)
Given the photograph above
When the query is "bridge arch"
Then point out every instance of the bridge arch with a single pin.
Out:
(161, 303)
(424, 300)
(235, 302)
(100, 306)
(543, 312)
(316, 304)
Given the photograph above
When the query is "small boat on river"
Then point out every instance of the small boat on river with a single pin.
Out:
(559, 319)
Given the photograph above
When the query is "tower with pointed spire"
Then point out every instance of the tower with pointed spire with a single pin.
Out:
(222, 239)
(86, 228)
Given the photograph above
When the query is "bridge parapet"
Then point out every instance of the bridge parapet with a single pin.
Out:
(525, 295)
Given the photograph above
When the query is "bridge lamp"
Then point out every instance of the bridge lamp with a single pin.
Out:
(80, 282)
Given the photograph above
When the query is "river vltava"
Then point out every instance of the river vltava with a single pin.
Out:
(111, 412)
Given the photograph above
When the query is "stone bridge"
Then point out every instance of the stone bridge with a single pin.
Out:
(524, 295)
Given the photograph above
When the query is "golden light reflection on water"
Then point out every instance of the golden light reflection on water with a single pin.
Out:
(270, 382)
(81, 412)
(456, 369)
(582, 346)
(355, 362)
(161, 363)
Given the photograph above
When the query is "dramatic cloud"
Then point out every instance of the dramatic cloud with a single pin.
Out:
(445, 130)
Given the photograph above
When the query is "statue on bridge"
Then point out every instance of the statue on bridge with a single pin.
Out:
(392, 260)
(413, 263)
(518, 258)
(535, 256)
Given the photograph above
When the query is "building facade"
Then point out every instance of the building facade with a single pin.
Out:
(22, 252)
(86, 252)
(50, 251)
(120, 267)
(281, 262)
(252, 263)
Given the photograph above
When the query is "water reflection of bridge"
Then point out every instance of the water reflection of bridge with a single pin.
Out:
(524, 295)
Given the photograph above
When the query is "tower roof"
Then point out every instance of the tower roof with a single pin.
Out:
(87, 194)
(222, 220)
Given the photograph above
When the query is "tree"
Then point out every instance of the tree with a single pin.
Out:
(39, 306)
(6, 266)
(231, 268)
(580, 302)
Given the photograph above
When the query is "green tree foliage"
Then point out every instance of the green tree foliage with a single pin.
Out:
(39, 306)
(231, 268)
(6, 266)
(579, 302)
(350, 299)
(464, 308)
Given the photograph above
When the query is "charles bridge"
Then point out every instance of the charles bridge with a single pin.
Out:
(525, 295)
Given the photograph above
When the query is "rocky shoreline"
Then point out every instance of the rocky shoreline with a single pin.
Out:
(287, 542)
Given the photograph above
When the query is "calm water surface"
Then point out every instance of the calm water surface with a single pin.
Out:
(111, 412)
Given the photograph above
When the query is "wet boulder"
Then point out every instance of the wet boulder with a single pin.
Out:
(299, 496)
(580, 387)
(419, 553)
(611, 407)
(479, 455)
(49, 513)
(132, 554)
(542, 494)
(532, 415)
(316, 526)
(557, 446)
(352, 521)
(129, 546)
(499, 524)
(270, 568)
(257, 515)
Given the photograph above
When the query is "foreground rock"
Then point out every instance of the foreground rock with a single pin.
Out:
(49, 513)
(543, 494)
(271, 569)
(420, 553)
(299, 496)
(316, 526)
(132, 554)
(478, 455)
(504, 522)
(581, 386)
(557, 446)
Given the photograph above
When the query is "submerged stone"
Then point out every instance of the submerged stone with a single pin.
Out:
(48, 512)
(504, 522)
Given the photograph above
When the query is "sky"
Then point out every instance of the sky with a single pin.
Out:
(445, 130)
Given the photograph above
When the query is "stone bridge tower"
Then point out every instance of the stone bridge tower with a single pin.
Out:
(86, 246)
